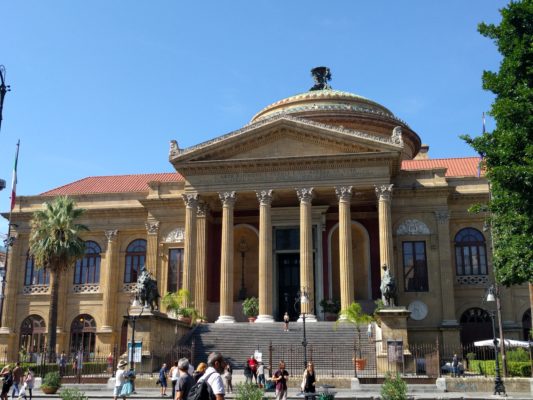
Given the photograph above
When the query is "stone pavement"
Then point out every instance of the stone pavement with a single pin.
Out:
(370, 392)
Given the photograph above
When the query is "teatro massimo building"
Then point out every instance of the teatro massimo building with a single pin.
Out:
(319, 191)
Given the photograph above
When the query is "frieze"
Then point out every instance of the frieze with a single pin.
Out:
(384, 192)
(473, 280)
(344, 193)
(305, 195)
(175, 236)
(36, 289)
(129, 287)
(413, 227)
(264, 197)
(85, 288)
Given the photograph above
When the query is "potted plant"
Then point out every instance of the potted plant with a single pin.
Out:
(354, 315)
(250, 308)
(330, 308)
(51, 382)
(181, 306)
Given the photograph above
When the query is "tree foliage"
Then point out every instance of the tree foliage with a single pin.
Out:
(508, 151)
(55, 245)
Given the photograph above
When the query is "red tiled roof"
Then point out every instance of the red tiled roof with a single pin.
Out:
(456, 167)
(113, 184)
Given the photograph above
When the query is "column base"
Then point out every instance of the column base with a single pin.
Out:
(265, 318)
(4, 330)
(308, 318)
(225, 319)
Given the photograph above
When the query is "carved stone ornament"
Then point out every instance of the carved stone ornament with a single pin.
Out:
(111, 234)
(344, 193)
(203, 209)
(412, 227)
(264, 197)
(396, 137)
(227, 198)
(175, 236)
(305, 195)
(152, 227)
(174, 148)
(190, 200)
(442, 216)
(384, 192)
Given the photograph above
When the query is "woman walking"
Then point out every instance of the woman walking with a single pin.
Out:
(309, 380)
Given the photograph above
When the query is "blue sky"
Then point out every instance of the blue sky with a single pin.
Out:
(100, 87)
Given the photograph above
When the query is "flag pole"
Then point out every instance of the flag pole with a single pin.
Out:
(9, 240)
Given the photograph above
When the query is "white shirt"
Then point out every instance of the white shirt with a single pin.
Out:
(215, 380)
(175, 374)
(119, 377)
(261, 369)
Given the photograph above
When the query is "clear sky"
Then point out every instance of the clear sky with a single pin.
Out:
(100, 87)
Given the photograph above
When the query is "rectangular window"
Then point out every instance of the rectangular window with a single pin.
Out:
(175, 270)
(415, 267)
(287, 239)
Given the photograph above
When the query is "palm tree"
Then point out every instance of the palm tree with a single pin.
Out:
(55, 245)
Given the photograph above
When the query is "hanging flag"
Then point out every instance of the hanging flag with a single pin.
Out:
(14, 180)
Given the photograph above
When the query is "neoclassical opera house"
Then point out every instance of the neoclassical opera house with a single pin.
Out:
(318, 191)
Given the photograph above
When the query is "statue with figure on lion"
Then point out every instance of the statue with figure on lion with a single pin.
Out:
(146, 289)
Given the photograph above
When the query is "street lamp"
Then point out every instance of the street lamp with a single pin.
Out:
(499, 387)
(133, 319)
(302, 297)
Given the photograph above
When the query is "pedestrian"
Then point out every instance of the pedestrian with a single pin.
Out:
(130, 377)
(286, 322)
(216, 365)
(29, 381)
(63, 364)
(309, 380)
(18, 375)
(281, 376)
(200, 371)
(185, 381)
(252, 362)
(261, 374)
(120, 379)
(174, 374)
(110, 363)
(455, 365)
(163, 379)
(247, 374)
(228, 375)
(7, 377)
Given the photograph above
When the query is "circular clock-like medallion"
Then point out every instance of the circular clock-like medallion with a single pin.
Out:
(419, 310)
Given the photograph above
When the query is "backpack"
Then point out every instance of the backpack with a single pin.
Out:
(201, 390)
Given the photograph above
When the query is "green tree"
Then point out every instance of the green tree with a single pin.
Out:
(508, 150)
(55, 244)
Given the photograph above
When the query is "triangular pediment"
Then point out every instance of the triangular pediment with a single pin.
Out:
(285, 137)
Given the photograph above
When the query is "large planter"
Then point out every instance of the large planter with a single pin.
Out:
(251, 319)
(49, 389)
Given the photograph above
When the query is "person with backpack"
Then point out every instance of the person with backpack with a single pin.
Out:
(210, 386)
(185, 381)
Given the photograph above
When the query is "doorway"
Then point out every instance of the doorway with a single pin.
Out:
(288, 284)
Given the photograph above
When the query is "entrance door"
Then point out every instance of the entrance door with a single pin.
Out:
(288, 284)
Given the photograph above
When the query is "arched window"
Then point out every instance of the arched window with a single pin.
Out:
(32, 335)
(83, 335)
(135, 259)
(470, 253)
(34, 275)
(476, 324)
(88, 268)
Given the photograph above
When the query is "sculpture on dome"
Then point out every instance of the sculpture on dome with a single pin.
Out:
(396, 136)
(388, 288)
(321, 76)
(174, 148)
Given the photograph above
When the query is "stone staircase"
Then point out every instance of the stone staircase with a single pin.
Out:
(329, 346)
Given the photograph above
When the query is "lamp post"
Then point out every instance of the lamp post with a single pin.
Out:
(243, 248)
(499, 387)
(133, 319)
(302, 297)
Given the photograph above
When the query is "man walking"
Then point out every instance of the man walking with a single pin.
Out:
(18, 374)
(185, 381)
(216, 365)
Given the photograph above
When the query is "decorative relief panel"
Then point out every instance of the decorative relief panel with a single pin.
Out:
(175, 236)
(412, 227)
(86, 288)
(473, 280)
(36, 289)
(129, 287)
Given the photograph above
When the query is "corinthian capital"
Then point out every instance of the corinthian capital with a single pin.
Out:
(190, 200)
(384, 192)
(442, 216)
(344, 193)
(111, 234)
(264, 197)
(305, 195)
(228, 198)
(152, 227)
(203, 209)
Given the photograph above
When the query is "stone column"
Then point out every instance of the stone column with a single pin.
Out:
(200, 289)
(346, 275)
(449, 319)
(265, 256)
(305, 195)
(189, 256)
(14, 269)
(152, 230)
(384, 194)
(226, 259)
(110, 280)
